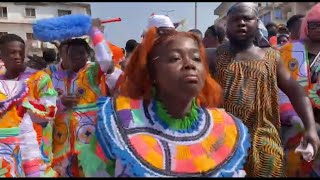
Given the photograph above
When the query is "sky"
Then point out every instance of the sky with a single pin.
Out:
(134, 17)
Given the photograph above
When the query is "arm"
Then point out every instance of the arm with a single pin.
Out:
(114, 80)
(300, 102)
(102, 52)
(211, 61)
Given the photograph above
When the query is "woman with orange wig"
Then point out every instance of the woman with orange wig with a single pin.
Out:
(165, 121)
(302, 59)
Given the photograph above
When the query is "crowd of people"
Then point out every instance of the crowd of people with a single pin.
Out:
(240, 101)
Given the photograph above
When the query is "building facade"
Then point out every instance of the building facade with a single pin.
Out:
(280, 12)
(221, 12)
(277, 12)
(17, 17)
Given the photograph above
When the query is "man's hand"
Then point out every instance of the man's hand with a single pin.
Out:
(69, 101)
(96, 23)
(311, 136)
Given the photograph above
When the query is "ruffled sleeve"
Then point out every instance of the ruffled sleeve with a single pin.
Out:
(29, 147)
(42, 103)
(235, 165)
(102, 164)
(99, 165)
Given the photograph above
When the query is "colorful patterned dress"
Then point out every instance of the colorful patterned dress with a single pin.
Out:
(250, 93)
(133, 141)
(295, 58)
(40, 104)
(74, 128)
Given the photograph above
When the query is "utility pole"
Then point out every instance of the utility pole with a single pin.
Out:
(195, 15)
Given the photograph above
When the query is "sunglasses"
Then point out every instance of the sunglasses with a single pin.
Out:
(313, 25)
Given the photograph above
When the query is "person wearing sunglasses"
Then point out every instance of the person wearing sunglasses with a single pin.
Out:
(302, 60)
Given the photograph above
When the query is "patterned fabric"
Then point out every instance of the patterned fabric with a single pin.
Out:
(249, 91)
(295, 58)
(129, 133)
(19, 150)
(41, 107)
(74, 128)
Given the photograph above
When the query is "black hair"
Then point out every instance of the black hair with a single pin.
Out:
(293, 20)
(49, 55)
(270, 24)
(63, 43)
(131, 45)
(218, 32)
(9, 38)
(195, 31)
(79, 42)
(283, 30)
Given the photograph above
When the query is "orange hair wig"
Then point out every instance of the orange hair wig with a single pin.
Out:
(137, 82)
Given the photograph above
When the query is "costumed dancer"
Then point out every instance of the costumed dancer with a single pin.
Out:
(78, 86)
(302, 60)
(35, 112)
(250, 77)
(165, 122)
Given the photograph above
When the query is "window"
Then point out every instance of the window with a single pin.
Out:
(277, 14)
(3, 33)
(63, 12)
(29, 36)
(3, 12)
(266, 18)
(30, 12)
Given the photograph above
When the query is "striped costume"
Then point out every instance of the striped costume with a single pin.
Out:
(74, 128)
(250, 89)
(132, 141)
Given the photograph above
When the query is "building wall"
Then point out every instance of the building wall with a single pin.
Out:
(221, 11)
(18, 23)
(287, 9)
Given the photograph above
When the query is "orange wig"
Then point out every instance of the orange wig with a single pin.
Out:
(138, 84)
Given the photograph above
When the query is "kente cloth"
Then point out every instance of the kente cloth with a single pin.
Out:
(251, 93)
